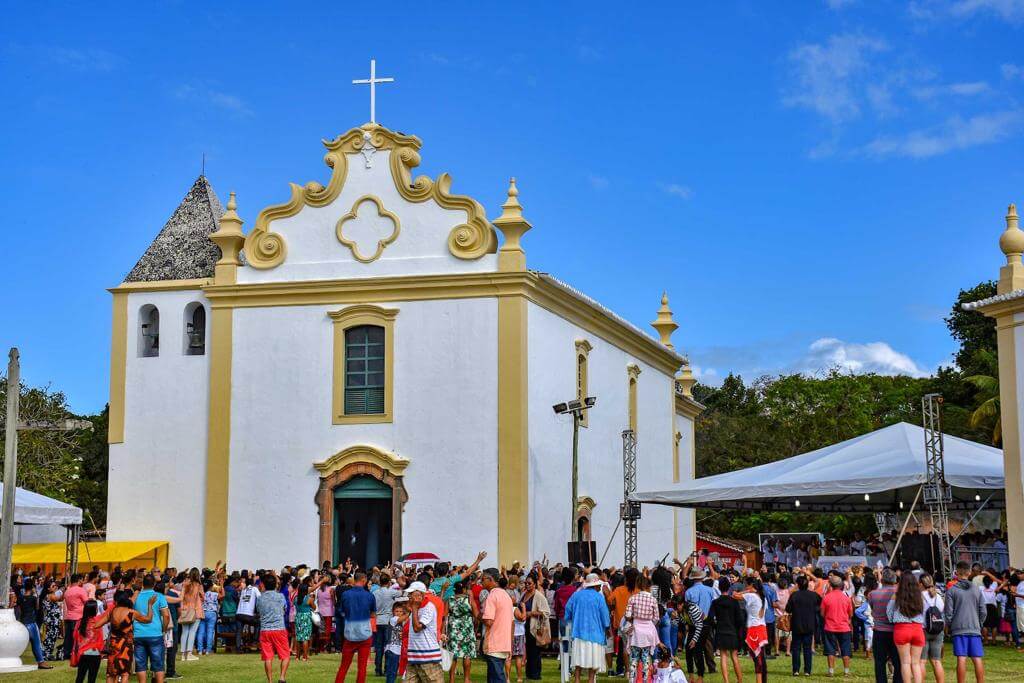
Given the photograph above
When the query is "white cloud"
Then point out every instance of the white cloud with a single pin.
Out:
(828, 76)
(677, 190)
(955, 134)
(217, 98)
(1008, 10)
(874, 357)
(597, 182)
(1012, 72)
(966, 89)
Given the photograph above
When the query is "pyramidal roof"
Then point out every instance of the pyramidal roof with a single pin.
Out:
(182, 250)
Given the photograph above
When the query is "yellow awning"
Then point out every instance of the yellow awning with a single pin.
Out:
(107, 552)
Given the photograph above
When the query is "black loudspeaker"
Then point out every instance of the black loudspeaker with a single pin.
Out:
(583, 552)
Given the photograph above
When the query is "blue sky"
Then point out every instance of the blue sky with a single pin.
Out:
(811, 181)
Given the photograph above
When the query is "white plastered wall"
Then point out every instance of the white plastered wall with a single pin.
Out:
(315, 253)
(158, 475)
(686, 519)
(445, 424)
(552, 379)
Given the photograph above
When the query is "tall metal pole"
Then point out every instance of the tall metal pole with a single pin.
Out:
(575, 474)
(10, 476)
(628, 512)
(937, 493)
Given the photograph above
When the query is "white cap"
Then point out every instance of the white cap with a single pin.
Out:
(592, 580)
(416, 586)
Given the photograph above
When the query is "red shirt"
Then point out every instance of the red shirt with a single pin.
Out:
(837, 607)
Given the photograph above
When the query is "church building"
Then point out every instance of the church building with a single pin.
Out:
(370, 370)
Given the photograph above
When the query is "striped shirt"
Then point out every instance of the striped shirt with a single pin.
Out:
(423, 645)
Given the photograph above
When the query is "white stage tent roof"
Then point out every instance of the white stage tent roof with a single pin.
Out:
(870, 473)
(35, 508)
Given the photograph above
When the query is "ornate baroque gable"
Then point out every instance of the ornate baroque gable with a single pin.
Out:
(371, 210)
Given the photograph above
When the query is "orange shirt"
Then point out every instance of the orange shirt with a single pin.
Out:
(439, 605)
(617, 602)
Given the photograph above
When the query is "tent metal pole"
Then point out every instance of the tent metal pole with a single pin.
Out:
(968, 522)
(910, 514)
(607, 547)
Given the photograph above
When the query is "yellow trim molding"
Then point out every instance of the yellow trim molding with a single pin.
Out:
(352, 316)
(633, 373)
(583, 348)
(532, 286)
(118, 367)
(161, 285)
(351, 215)
(585, 504)
(218, 441)
(513, 439)
(389, 462)
(676, 438)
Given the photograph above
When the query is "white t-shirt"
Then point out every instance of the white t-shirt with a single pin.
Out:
(247, 601)
(937, 602)
(1020, 595)
(754, 603)
(988, 595)
(423, 645)
(857, 547)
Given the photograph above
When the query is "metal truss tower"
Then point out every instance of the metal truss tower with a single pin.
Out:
(937, 493)
(629, 511)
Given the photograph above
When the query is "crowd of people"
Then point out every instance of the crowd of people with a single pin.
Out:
(667, 624)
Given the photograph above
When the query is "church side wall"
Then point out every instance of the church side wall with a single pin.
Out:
(158, 474)
(686, 519)
(445, 424)
(552, 379)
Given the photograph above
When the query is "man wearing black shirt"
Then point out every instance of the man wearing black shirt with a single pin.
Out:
(803, 606)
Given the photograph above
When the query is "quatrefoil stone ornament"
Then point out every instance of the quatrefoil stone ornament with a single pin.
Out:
(368, 228)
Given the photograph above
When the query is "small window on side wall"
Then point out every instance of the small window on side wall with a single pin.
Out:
(195, 329)
(149, 331)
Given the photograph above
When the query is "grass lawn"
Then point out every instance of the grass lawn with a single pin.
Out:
(1001, 664)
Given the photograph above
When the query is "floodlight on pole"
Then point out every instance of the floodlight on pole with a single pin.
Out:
(576, 408)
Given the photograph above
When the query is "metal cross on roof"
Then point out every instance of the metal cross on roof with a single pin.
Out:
(372, 81)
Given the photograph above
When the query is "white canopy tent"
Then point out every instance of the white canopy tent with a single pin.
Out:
(876, 472)
(35, 508)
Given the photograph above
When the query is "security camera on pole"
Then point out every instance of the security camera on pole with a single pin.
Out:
(576, 408)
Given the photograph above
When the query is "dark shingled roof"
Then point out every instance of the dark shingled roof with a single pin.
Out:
(183, 250)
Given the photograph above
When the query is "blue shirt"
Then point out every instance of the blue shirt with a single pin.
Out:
(588, 612)
(770, 596)
(155, 628)
(702, 596)
(357, 604)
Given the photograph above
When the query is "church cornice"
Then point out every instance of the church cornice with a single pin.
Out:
(538, 289)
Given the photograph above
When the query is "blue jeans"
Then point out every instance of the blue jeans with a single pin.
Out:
(149, 651)
(37, 645)
(380, 638)
(801, 644)
(495, 669)
(206, 639)
(391, 666)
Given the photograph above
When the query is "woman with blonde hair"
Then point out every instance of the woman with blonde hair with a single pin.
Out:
(190, 613)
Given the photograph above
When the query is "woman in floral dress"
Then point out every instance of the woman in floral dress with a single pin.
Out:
(462, 614)
(52, 620)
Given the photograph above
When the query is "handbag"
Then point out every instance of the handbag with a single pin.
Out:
(542, 634)
(446, 659)
(317, 620)
(187, 616)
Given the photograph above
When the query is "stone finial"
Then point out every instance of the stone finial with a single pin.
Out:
(1011, 276)
(229, 238)
(664, 324)
(685, 381)
(511, 256)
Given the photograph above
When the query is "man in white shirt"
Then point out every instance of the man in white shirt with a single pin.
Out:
(248, 594)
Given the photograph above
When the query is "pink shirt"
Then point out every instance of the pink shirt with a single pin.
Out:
(498, 608)
(325, 601)
(74, 603)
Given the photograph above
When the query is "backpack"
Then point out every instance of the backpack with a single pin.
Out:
(934, 621)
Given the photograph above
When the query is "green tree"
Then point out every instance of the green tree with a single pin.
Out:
(987, 412)
(90, 491)
(973, 330)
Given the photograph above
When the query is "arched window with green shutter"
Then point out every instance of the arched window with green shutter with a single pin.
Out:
(364, 370)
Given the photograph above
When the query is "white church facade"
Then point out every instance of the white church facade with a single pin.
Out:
(370, 370)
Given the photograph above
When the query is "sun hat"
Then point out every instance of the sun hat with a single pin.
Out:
(592, 580)
(696, 573)
(416, 586)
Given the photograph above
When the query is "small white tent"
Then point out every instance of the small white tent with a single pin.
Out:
(875, 472)
(40, 519)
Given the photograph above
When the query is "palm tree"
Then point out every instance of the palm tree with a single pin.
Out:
(988, 393)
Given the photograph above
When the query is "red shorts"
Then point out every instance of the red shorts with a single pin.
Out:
(274, 643)
(908, 634)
